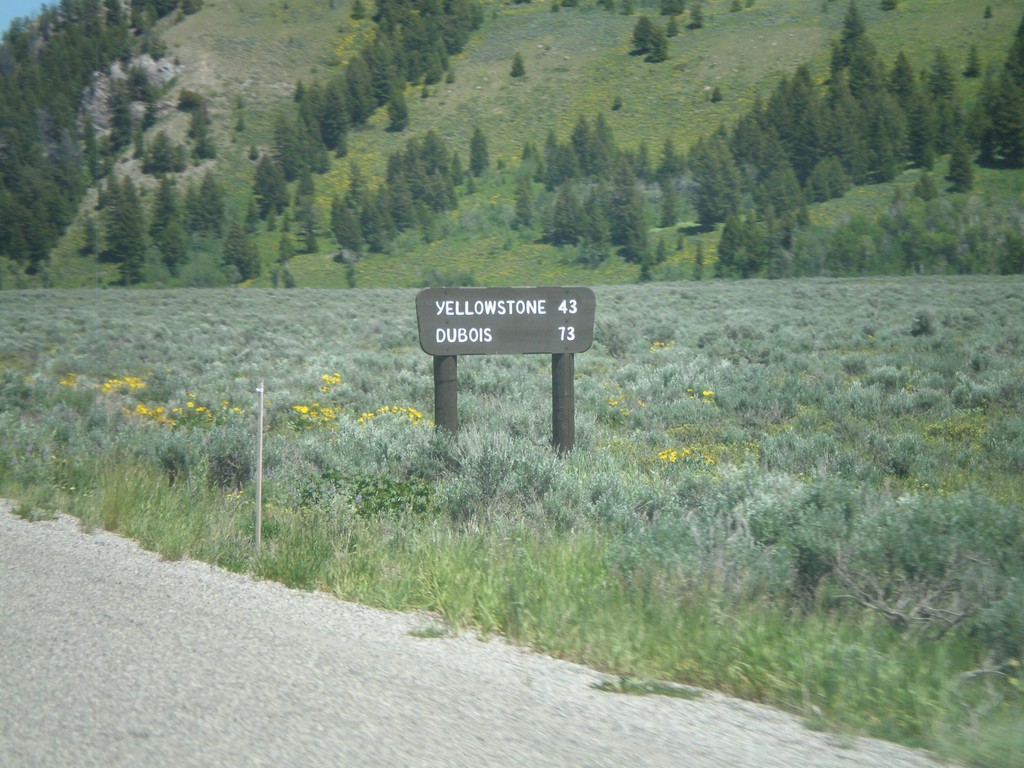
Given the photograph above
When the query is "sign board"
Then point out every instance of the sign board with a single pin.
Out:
(505, 321)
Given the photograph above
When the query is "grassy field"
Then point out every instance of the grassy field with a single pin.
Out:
(804, 492)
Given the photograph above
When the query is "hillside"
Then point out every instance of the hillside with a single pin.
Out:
(245, 59)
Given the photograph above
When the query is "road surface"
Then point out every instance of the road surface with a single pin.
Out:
(111, 656)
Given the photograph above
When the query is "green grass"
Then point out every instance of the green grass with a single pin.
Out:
(751, 458)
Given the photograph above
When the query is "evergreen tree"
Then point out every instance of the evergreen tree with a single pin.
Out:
(847, 129)
(565, 221)
(376, 223)
(828, 180)
(921, 130)
(122, 124)
(669, 203)
(671, 164)
(360, 96)
(518, 68)
(717, 180)
(269, 188)
(332, 116)
(604, 149)
(925, 187)
(855, 55)
(961, 172)
(398, 111)
(1014, 64)
(478, 158)
(206, 206)
(345, 226)
(524, 203)
(162, 156)
(741, 248)
(885, 136)
(972, 68)
(902, 81)
(239, 253)
(696, 16)
(289, 154)
(626, 216)
(584, 146)
(125, 227)
(1002, 142)
(199, 131)
(642, 35)
(172, 243)
(658, 45)
(285, 248)
(595, 237)
(796, 114)
(456, 173)
(166, 208)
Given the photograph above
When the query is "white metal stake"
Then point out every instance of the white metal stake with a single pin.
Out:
(259, 473)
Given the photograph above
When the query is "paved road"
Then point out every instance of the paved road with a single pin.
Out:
(110, 656)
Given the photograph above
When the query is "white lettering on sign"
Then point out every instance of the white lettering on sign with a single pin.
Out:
(463, 335)
(494, 307)
(505, 321)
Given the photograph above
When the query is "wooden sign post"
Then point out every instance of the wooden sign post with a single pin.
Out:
(507, 321)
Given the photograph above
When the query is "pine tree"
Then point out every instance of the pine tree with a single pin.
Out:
(584, 145)
(360, 92)
(642, 35)
(163, 157)
(332, 116)
(345, 226)
(925, 187)
(478, 158)
(961, 172)
(669, 203)
(657, 45)
(565, 221)
(239, 252)
(595, 238)
(199, 131)
(518, 68)
(1002, 141)
(285, 248)
(972, 68)
(206, 206)
(524, 203)
(741, 248)
(717, 180)
(671, 164)
(398, 111)
(696, 16)
(626, 215)
(269, 188)
(125, 229)
(921, 130)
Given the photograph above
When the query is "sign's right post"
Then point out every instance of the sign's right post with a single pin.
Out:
(563, 402)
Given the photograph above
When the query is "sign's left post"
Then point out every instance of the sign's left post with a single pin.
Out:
(446, 392)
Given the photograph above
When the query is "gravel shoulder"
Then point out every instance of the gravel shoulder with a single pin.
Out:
(111, 656)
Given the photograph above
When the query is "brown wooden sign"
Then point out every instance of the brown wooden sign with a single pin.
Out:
(505, 321)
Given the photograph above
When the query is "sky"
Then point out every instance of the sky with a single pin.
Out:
(12, 9)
